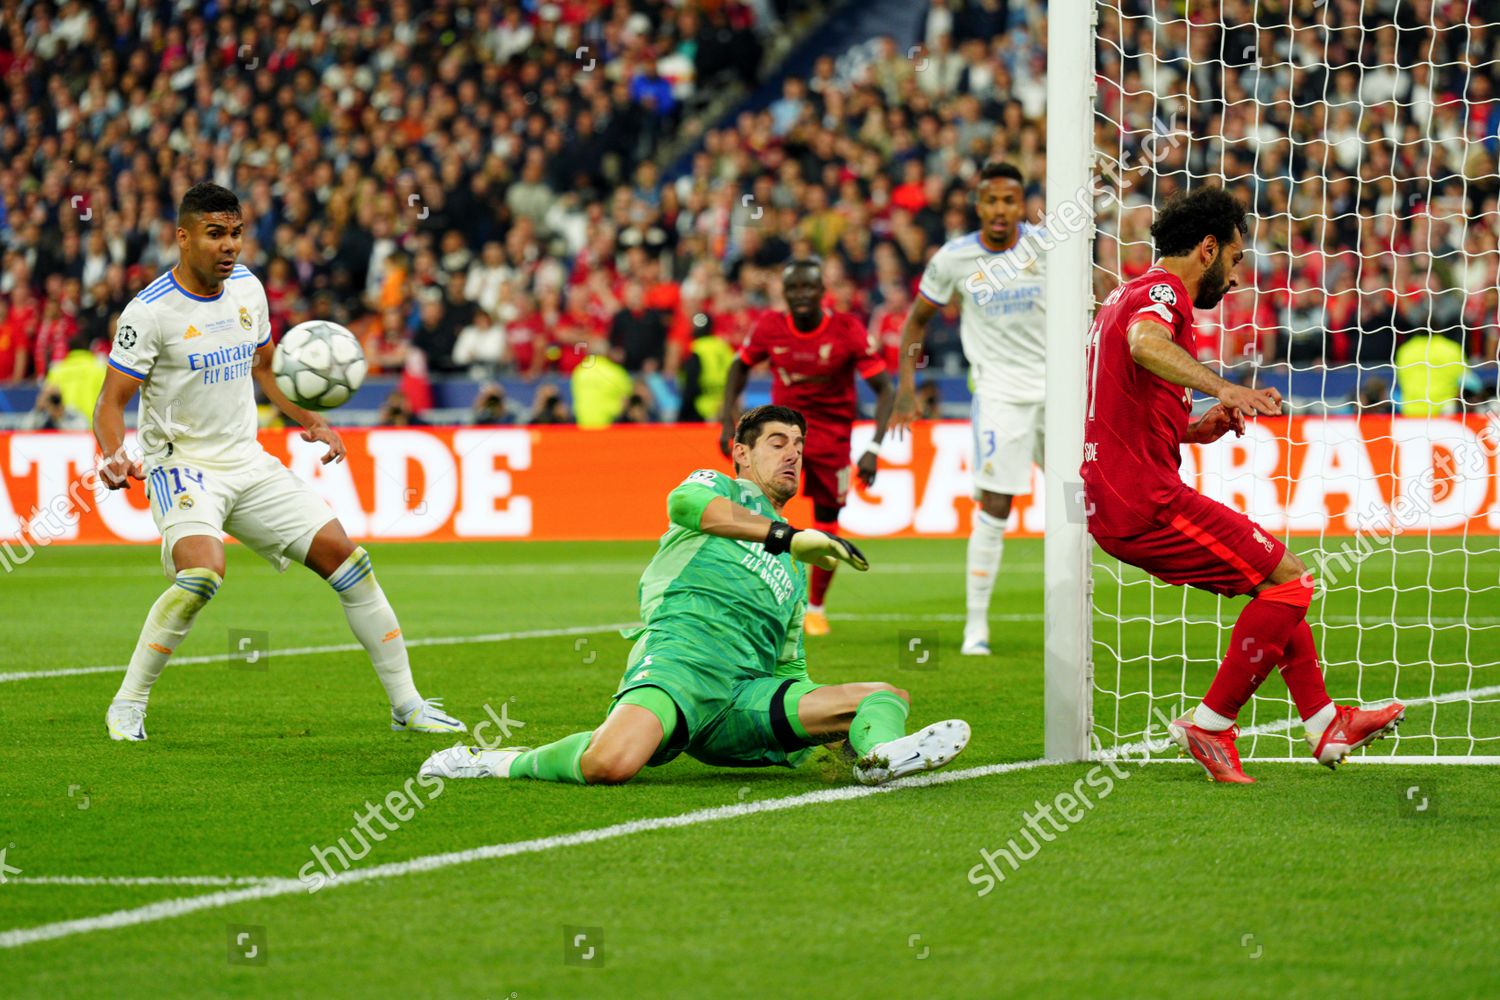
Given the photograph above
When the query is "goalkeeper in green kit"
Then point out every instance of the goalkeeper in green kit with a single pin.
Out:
(718, 669)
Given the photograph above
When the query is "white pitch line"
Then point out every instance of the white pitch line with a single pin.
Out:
(169, 908)
(344, 647)
(271, 888)
(138, 880)
(1282, 725)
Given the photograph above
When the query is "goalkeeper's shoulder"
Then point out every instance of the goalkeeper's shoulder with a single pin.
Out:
(702, 486)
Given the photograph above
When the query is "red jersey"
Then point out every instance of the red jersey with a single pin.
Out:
(1133, 429)
(814, 372)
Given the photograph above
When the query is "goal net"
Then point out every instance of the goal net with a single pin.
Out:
(1361, 134)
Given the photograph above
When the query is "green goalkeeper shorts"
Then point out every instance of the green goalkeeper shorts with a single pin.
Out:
(727, 716)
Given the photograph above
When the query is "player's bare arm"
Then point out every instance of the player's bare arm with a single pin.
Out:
(116, 468)
(314, 426)
(1214, 424)
(885, 402)
(1152, 347)
(729, 416)
(913, 334)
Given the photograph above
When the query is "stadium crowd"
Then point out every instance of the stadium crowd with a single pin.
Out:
(477, 191)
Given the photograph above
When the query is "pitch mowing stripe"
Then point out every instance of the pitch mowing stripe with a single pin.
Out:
(169, 908)
(139, 880)
(632, 568)
(345, 647)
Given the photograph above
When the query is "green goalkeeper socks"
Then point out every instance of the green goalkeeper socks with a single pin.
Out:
(879, 718)
(560, 761)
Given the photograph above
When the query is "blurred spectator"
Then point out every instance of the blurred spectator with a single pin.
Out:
(78, 377)
(929, 401)
(600, 386)
(638, 331)
(51, 415)
(397, 412)
(549, 407)
(491, 407)
(386, 342)
(481, 346)
(704, 373)
(1375, 397)
(1429, 371)
(15, 360)
(435, 337)
(389, 153)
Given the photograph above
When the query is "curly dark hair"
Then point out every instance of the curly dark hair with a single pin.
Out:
(1186, 219)
(205, 199)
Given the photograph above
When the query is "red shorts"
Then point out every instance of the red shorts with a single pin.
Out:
(825, 465)
(825, 479)
(1202, 543)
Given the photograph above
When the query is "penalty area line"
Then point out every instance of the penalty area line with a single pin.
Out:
(168, 908)
(343, 647)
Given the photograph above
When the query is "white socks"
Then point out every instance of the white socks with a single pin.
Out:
(374, 625)
(167, 624)
(1319, 721)
(1206, 718)
(986, 542)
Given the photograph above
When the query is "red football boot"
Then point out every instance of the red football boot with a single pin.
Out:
(1353, 728)
(1215, 751)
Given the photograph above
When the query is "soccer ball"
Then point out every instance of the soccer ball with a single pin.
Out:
(318, 365)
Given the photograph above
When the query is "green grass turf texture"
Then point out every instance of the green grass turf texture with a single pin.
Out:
(1306, 884)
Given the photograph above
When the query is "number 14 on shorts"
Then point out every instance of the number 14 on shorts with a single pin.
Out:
(166, 483)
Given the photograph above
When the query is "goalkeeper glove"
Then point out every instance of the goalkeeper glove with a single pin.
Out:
(812, 546)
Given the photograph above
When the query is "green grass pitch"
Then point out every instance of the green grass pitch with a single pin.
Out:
(1306, 884)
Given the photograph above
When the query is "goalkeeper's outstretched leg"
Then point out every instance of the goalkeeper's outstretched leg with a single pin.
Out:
(769, 721)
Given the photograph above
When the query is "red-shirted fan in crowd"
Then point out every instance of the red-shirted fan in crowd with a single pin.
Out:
(1141, 382)
(814, 356)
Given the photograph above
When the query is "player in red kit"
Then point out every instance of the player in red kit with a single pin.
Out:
(815, 355)
(1141, 380)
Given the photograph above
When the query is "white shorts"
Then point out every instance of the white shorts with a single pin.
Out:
(263, 505)
(1007, 440)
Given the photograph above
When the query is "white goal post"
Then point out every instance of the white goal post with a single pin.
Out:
(1362, 135)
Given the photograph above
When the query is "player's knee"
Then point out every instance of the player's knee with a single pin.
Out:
(606, 765)
(996, 505)
(198, 585)
(859, 692)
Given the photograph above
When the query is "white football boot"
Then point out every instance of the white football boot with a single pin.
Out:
(925, 750)
(976, 640)
(471, 762)
(126, 720)
(428, 717)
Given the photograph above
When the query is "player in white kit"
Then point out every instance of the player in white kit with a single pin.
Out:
(999, 275)
(192, 341)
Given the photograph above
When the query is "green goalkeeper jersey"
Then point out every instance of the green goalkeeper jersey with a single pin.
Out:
(739, 604)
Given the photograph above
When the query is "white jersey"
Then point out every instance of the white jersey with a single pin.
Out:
(193, 356)
(1002, 311)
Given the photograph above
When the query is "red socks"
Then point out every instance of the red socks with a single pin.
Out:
(1303, 676)
(817, 586)
(1265, 633)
